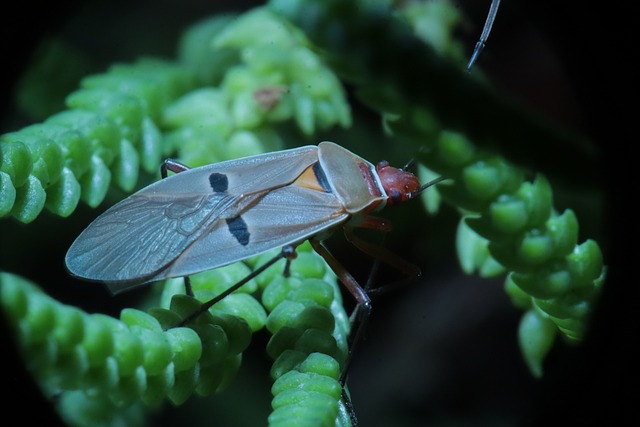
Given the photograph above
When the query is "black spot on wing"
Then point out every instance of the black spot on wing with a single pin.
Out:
(321, 177)
(219, 182)
(238, 228)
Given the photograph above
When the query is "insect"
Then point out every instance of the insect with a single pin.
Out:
(207, 217)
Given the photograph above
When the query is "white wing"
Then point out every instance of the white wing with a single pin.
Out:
(204, 218)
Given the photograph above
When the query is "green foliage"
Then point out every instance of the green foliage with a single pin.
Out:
(309, 342)
(522, 233)
(149, 357)
(108, 128)
(238, 79)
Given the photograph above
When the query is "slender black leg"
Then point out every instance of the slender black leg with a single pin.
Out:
(173, 166)
(187, 286)
(286, 252)
(359, 318)
(360, 295)
(362, 312)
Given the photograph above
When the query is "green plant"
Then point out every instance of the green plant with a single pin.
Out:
(249, 84)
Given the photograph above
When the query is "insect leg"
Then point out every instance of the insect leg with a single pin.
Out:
(287, 252)
(187, 286)
(290, 255)
(358, 323)
(380, 253)
(172, 165)
(354, 288)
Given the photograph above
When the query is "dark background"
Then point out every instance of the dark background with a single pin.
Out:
(442, 351)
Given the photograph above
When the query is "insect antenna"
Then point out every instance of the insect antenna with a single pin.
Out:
(431, 183)
(493, 10)
(409, 165)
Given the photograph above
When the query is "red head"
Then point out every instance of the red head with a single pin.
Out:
(399, 184)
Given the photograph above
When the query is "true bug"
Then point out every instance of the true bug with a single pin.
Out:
(214, 215)
(206, 217)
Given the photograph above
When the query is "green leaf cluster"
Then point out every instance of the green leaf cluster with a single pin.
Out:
(509, 222)
(108, 132)
(138, 361)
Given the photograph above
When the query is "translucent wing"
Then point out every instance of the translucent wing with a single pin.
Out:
(138, 239)
(283, 216)
(140, 235)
